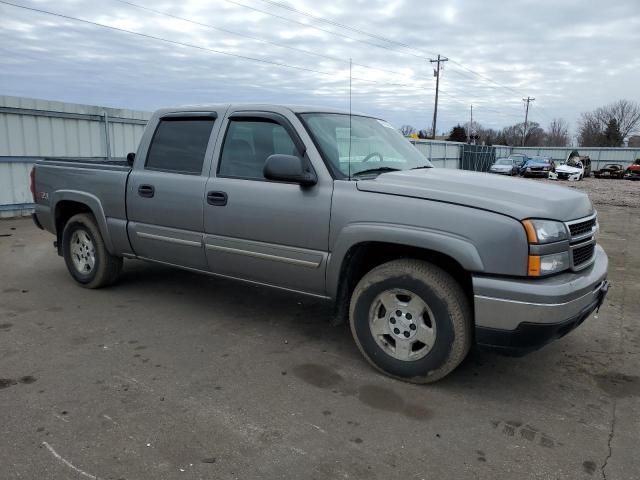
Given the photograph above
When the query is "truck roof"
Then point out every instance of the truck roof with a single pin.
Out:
(259, 106)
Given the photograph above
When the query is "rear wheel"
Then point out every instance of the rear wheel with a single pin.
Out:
(85, 254)
(411, 320)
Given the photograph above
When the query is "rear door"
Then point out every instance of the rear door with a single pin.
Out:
(165, 192)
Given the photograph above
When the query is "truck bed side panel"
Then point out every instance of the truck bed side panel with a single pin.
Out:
(101, 187)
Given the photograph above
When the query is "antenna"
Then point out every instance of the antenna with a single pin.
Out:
(350, 66)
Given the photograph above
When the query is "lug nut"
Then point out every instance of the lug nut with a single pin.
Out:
(396, 331)
(412, 326)
(398, 313)
(393, 321)
(408, 316)
(406, 334)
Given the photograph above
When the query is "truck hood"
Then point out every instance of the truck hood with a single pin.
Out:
(517, 198)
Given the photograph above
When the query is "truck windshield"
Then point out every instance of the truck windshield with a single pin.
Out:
(370, 144)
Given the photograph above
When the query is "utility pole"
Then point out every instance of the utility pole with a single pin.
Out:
(436, 73)
(471, 125)
(526, 117)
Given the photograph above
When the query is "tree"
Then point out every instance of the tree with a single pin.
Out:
(501, 139)
(593, 125)
(424, 133)
(558, 134)
(590, 132)
(457, 134)
(533, 136)
(626, 113)
(612, 134)
(407, 130)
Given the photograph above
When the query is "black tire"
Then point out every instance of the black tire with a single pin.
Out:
(445, 299)
(106, 267)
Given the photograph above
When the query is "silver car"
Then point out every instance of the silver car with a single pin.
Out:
(506, 166)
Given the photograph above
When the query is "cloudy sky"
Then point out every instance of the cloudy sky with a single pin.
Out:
(571, 55)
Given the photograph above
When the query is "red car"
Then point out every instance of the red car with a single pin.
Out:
(633, 171)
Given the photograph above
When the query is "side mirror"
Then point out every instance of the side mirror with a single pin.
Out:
(289, 168)
(130, 158)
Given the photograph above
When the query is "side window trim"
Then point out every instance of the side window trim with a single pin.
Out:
(177, 116)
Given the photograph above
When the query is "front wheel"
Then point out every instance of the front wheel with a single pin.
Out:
(411, 320)
(88, 260)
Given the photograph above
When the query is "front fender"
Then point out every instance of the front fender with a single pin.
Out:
(94, 205)
(457, 247)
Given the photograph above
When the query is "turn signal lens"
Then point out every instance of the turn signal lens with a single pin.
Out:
(540, 265)
(534, 266)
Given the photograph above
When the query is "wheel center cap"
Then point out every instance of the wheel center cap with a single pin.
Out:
(402, 324)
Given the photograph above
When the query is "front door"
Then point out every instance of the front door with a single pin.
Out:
(269, 232)
(165, 193)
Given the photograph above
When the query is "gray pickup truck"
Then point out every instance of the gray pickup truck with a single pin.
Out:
(423, 262)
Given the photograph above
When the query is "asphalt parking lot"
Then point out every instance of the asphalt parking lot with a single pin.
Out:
(171, 375)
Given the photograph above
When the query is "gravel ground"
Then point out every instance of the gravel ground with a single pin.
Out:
(173, 375)
(616, 193)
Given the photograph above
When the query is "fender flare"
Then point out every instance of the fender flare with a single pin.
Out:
(94, 205)
(457, 247)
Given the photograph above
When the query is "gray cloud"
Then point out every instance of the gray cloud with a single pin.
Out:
(571, 55)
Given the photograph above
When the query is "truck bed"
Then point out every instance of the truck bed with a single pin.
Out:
(100, 184)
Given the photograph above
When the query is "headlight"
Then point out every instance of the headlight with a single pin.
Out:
(548, 264)
(540, 232)
(544, 231)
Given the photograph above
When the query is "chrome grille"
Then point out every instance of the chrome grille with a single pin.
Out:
(583, 241)
(582, 227)
(583, 254)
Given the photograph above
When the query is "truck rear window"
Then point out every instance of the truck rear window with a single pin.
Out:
(179, 145)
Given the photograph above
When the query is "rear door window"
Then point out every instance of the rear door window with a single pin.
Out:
(179, 145)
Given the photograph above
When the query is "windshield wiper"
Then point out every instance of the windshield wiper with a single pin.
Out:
(421, 166)
(376, 170)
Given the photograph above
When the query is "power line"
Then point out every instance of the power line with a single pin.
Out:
(322, 29)
(199, 47)
(251, 37)
(348, 27)
(338, 24)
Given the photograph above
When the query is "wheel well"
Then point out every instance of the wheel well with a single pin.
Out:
(363, 257)
(65, 209)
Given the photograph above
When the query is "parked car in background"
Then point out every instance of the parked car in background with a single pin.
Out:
(633, 171)
(584, 159)
(507, 166)
(610, 170)
(572, 169)
(406, 252)
(537, 167)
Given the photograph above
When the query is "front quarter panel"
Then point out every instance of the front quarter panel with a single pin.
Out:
(480, 241)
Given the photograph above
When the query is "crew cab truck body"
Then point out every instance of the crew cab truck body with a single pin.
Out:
(422, 262)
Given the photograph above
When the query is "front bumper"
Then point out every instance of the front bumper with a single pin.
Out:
(536, 173)
(572, 177)
(518, 316)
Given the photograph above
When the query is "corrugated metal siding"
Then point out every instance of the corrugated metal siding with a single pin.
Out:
(31, 128)
(26, 134)
(442, 154)
(15, 196)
